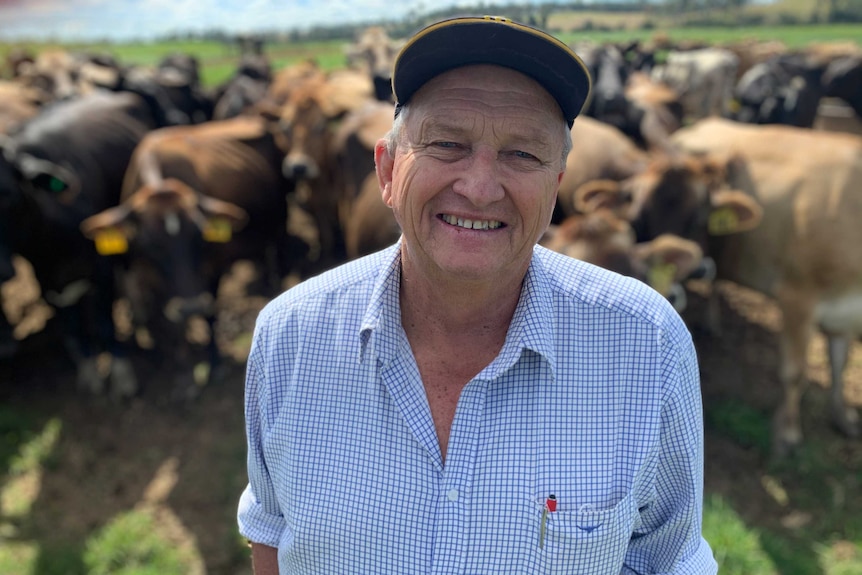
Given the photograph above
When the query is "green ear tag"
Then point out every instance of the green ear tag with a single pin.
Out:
(218, 230)
(56, 185)
(722, 222)
(111, 241)
(660, 277)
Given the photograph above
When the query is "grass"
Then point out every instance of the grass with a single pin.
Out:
(818, 525)
(132, 544)
(736, 546)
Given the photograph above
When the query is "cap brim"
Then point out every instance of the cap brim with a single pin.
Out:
(492, 40)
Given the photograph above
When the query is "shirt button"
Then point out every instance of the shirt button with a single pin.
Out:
(452, 495)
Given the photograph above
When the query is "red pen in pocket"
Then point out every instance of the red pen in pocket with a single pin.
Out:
(550, 507)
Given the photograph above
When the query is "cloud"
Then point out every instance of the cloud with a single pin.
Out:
(128, 19)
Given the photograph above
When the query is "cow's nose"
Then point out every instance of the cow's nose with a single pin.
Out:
(298, 171)
(299, 167)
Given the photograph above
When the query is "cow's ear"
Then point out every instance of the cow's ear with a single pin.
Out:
(670, 250)
(46, 176)
(733, 212)
(667, 260)
(49, 183)
(110, 230)
(597, 194)
(223, 218)
(268, 110)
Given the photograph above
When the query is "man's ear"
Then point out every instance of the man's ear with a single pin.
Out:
(383, 165)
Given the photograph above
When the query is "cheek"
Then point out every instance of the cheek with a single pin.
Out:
(404, 190)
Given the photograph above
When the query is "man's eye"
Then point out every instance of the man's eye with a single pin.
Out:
(446, 145)
(524, 155)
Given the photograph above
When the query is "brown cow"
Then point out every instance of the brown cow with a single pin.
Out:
(803, 253)
(307, 122)
(195, 199)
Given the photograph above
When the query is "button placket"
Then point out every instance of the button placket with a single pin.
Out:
(450, 548)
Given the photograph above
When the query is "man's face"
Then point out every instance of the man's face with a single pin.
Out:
(474, 178)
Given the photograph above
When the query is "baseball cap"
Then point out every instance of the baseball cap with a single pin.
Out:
(497, 40)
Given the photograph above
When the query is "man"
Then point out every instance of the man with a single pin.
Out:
(465, 401)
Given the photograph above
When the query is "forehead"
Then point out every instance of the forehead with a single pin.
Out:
(487, 90)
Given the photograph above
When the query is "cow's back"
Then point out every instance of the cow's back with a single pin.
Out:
(233, 160)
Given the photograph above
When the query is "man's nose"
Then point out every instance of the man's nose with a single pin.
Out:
(481, 180)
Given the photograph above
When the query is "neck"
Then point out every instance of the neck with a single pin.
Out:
(454, 310)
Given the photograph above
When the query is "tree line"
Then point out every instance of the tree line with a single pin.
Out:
(681, 12)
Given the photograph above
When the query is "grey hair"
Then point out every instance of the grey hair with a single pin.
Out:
(396, 134)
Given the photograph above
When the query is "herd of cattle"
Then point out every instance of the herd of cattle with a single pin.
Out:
(138, 183)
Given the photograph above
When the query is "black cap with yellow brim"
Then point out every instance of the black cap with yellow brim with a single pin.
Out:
(492, 40)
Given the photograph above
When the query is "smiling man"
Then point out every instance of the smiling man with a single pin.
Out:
(465, 401)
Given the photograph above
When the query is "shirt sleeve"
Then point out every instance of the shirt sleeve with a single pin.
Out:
(259, 516)
(669, 540)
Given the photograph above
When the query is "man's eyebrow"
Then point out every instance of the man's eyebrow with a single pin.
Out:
(436, 127)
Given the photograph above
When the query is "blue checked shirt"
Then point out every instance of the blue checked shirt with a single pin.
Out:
(594, 398)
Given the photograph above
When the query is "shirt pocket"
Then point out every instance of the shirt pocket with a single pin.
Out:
(584, 539)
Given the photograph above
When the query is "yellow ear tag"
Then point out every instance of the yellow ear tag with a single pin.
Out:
(218, 230)
(111, 241)
(660, 277)
(722, 222)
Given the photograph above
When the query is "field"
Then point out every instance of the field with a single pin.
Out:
(91, 488)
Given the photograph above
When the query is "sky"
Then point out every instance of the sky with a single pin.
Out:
(144, 19)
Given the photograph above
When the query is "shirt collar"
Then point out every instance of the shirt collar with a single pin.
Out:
(380, 333)
(532, 326)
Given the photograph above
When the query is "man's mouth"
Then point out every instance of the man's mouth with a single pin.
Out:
(471, 224)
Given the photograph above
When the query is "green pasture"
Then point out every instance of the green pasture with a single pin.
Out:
(219, 60)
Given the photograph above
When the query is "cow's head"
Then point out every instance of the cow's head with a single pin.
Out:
(604, 239)
(165, 231)
(301, 133)
(304, 125)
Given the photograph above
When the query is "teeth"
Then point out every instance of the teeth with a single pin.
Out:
(472, 224)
